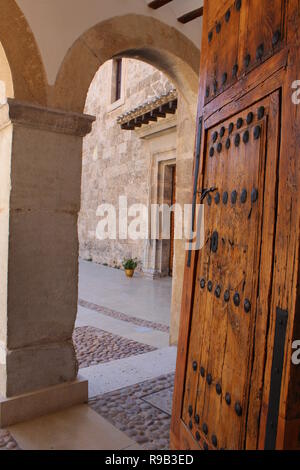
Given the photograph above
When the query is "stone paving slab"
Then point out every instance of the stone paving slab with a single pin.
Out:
(139, 297)
(123, 316)
(105, 378)
(141, 334)
(94, 346)
(128, 410)
(75, 428)
(162, 400)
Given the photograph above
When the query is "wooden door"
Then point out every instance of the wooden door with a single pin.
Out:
(222, 339)
(232, 372)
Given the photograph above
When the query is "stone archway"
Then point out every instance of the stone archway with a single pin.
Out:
(43, 170)
(27, 70)
(135, 36)
(132, 36)
(149, 40)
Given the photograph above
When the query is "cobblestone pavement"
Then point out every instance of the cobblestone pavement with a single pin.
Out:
(122, 316)
(146, 422)
(129, 410)
(7, 442)
(94, 346)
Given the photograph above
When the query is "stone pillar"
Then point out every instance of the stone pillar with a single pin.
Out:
(40, 183)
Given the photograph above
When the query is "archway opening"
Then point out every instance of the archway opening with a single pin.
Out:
(51, 124)
(131, 162)
(133, 36)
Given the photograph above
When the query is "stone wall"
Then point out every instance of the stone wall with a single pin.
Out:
(115, 162)
(132, 163)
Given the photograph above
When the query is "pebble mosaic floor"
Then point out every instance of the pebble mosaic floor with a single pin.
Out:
(142, 411)
(132, 410)
(7, 442)
(94, 346)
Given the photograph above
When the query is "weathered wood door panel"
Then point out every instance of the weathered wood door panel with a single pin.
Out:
(243, 35)
(224, 312)
(263, 33)
(223, 41)
(236, 386)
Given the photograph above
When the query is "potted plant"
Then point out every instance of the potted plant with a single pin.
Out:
(130, 265)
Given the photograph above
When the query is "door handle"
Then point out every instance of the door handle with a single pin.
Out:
(205, 192)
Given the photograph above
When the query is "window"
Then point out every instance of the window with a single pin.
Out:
(117, 80)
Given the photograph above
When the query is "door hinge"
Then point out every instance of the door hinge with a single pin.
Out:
(276, 378)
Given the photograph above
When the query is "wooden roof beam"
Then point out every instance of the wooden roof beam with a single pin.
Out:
(155, 4)
(158, 112)
(170, 108)
(145, 119)
(190, 16)
(150, 117)
(137, 122)
(127, 127)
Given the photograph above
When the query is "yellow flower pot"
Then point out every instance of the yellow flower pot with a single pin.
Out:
(129, 272)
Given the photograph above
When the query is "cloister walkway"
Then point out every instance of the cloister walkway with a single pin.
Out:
(122, 344)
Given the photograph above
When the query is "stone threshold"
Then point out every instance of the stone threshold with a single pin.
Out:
(39, 403)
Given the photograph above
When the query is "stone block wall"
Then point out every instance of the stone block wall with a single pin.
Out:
(115, 162)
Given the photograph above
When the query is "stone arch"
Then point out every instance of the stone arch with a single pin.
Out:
(134, 36)
(23, 56)
(163, 47)
(42, 192)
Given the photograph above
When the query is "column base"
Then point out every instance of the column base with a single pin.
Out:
(49, 400)
(153, 274)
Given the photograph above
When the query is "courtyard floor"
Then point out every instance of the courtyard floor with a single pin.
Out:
(122, 345)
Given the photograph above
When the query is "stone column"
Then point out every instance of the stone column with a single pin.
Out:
(40, 184)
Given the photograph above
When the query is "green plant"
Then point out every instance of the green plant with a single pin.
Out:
(130, 263)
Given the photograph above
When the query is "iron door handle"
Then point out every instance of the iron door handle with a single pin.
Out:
(205, 192)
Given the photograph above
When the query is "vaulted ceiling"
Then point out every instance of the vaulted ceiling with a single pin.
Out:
(57, 24)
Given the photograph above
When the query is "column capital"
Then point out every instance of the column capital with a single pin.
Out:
(49, 119)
